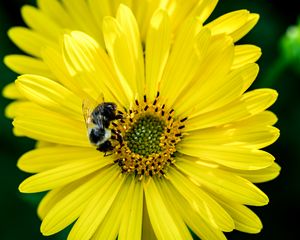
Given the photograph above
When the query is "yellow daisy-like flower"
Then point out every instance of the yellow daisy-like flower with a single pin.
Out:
(145, 127)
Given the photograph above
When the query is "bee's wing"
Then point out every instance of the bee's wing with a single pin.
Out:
(88, 105)
(100, 98)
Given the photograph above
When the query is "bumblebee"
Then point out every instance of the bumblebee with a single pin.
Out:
(98, 121)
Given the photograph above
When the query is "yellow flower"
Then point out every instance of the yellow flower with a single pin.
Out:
(183, 148)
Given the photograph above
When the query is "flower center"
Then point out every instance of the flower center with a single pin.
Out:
(144, 136)
(150, 134)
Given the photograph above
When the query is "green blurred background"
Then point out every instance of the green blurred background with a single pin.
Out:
(279, 69)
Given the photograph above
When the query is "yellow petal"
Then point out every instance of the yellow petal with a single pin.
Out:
(121, 54)
(37, 21)
(50, 95)
(69, 208)
(143, 12)
(131, 223)
(30, 41)
(46, 158)
(44, 144)
(261, 175)
(64, 174)
(147, 229)
(249, 73)
(230, 156)
(55, 62)
(88, 63)
(244, 54)
(223, 183)
(245, 220)
(83, 18)
(201, 202)
(53, 197)
(178, 10)
(243, 30)
(247, 105)
(56, 11)
(110, 226)
(80, 57)
(40, 124)
(12, 109)
(184, 60)
(161, 219)
(195, 222)
(96, 209)
(100, 9)
(209, 78)
(236, 24)
(173, 211)
(158, 45)
(265, 118)
(260, 99)
(129, 25)
(21, 107)
(25, 64)
(10, 91)
(203, 9)
(215, 95)
(249, 136)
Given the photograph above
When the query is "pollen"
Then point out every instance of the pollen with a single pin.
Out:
(150, 133)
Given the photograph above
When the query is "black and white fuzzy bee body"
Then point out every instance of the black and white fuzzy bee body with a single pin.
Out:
(98, 121)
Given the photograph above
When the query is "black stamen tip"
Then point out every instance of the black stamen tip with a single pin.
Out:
(172, 110)
(181, 127)
(136, 102)
(154, 102)
(146, 107)
(157, 94)
(145, 98)
(184, 119)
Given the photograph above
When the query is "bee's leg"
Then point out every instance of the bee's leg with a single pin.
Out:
(106, 147)
(119, 115)
(117, 136)
(120, 162)
(120, 138)
(107, 154)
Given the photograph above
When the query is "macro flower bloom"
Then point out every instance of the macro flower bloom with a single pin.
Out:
(184, 146)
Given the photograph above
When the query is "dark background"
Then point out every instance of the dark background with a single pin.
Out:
(18, 219)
